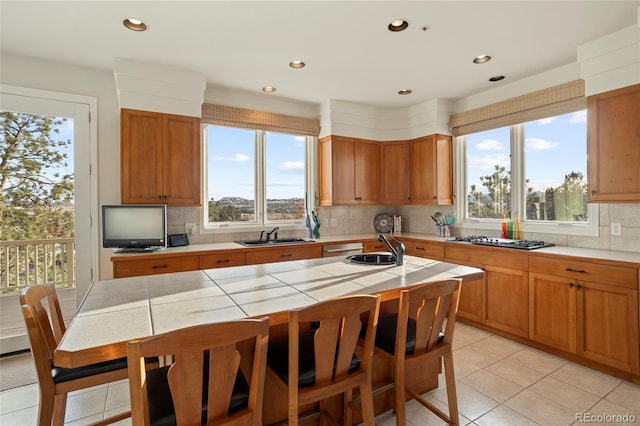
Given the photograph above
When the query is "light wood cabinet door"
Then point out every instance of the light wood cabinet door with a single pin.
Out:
(426, 249)
(552, 311)
(349, 171)
(612, 141)
(470, 300)
(141, 157)
(160, 159)
(607, 330)
(282, 254)
(181, 160)
(396, 172)
(153, 266)
(431, 170)
(506, 299)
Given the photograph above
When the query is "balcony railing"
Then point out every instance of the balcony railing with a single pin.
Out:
(28, 262)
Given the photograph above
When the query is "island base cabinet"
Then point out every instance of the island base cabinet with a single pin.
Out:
(470, 300)
(607, 325)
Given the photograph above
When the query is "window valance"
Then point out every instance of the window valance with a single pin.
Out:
(556, 100)
(251, 119)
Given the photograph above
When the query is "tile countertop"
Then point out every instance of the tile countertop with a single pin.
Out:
(118, 310)
(631, 258)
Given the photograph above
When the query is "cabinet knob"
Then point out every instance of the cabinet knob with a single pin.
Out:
(571, 285)
(594, 192)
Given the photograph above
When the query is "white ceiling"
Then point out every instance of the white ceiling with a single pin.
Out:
(349, 52)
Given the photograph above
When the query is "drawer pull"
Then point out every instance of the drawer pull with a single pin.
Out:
(580, 271)
(420, 248)
(224, 261)
(286, 255)
(160, 266)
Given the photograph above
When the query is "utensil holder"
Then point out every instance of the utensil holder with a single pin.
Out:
(443, 230)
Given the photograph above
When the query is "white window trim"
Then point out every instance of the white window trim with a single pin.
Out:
(591, 228)
(260, 167)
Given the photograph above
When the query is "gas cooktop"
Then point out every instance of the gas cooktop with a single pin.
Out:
(502, 242)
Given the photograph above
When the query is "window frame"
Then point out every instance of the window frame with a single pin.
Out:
(518, 194)
(261, 221)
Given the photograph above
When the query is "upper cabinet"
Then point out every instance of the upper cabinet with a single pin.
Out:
(612, 141)
(160, 158)
(349, 171)
(431, 170)
(356, 171)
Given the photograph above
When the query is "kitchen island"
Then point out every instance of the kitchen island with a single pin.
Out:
(116, 311)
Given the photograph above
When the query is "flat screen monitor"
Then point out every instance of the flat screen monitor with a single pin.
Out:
(134, 227)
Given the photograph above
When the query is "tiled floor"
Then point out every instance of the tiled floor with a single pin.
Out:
(499, 382)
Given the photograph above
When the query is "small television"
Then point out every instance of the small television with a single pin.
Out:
(134, 227)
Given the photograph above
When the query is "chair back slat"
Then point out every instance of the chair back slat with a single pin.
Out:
(326, 340)
(188, 374)
(351, 327)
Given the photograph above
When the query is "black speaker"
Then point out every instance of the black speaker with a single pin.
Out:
(177, 240)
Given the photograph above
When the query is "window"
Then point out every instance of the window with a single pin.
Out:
(535, 169)
(255, 177)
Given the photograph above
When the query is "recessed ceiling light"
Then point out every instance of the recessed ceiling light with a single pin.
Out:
(481, 59)
(404, 92)
(398, 25)
(497, 78)
(297, 64)
(134, 24)
(268, 89)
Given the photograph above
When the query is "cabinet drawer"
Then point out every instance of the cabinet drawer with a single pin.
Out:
(254, 256)
(134, 268)
(614, 275)
(221, 260)
(424, 249)
(506, 258)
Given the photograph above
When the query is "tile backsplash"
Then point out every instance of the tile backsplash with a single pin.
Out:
(351, 220)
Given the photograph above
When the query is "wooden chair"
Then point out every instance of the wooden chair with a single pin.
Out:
(414, 336)
(318, 359)
(45, 327)
(203, 384)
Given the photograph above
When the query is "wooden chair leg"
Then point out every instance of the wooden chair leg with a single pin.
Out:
(366, 401)
(347, 409)
(59, 409)
(400, 399)
(451, 388)
(45, 409)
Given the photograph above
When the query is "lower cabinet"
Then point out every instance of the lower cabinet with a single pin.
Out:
(221, 260)
(587, 309)
(282, 254)
(426, 249)
(500, 298)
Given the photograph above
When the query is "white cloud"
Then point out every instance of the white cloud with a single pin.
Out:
(538, 144)
(292, 166)
(488, 162)
(489, 145)
(578, 117)
(237, 158)
(545, 121)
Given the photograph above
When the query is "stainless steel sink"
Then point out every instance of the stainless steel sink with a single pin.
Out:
(279, 241)
(371, 259)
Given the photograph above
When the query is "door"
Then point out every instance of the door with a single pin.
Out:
(552, 307)
(81, 132)
(505, 300)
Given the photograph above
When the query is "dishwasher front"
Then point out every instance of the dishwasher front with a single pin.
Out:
(346, 249)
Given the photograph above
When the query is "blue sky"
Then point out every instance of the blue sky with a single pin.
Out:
(231, 164)
(554, 147)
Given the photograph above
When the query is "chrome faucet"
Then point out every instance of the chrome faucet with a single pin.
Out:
(398, 252)
(274, 230)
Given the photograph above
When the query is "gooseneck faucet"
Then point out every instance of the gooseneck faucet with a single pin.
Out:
(273, 231)
(398, 252)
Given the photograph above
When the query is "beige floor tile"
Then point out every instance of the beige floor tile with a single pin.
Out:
(504, 416)
(587, 379)
(538, 360)
(540, 409)
(477, 357)
(467, 332)
(118, 396)
(19, 398)
(86, 404)
(608, 413)
(626, 395)
(492, 385)
(24, 417)
(515, 371)
(568, 395)
(498, 345)
(462, 367)
(471, 403)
